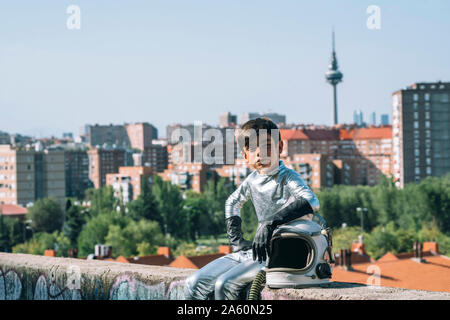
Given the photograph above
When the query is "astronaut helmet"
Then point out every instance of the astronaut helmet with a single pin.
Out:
(301, 254)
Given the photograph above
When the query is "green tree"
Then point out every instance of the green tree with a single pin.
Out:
(330, 207)
(16, 231)
(215, 196)
(196, 214)
(74, 223)
(344, 237)
(125, 241)
(96, 230)
(191, 249)
(382, 240)
(4, 236)
(46, 215)
(249, 220)
(42, 241)
(436, 193)
(170, 205)
(145, 206)
(145, 249)
(102, 200)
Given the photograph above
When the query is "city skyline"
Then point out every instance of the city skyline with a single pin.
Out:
(140, 62)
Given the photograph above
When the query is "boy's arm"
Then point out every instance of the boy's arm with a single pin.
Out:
(233, 220)
(300, 190)
(236, 200)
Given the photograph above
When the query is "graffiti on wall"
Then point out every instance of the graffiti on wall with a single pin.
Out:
(124, 287)
(10, 285)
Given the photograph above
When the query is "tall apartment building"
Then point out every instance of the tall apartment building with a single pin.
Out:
(194, 131)
(77, 173)
(275, 117)
(384, 119)
(141, 135)
(4, 138)
(104, 161)
(189, 176)
(421, 131)
(100, 135)
(27, 175)
(358, 117)
(137, 135)
(373, 118)
(369, 150)
(227, 120)
(156, 156)
(372, 154)
(236, 172)
(320, 171)
(127, 183)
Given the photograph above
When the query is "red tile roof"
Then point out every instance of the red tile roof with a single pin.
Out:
(388, 257)
(322, 134)
(337, 134)
(433, 275)
(122, 259)
(183, 262)
(156, 260)
(356, 257)
(292, 134)
(12, 209)
(373, 133)
(345, 134)
(195, 262)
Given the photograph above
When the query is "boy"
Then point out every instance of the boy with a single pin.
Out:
(278, 194)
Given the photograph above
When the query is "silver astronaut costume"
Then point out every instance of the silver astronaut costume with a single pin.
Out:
(225, 277)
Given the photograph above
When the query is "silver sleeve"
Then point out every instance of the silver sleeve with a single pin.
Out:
(236, 200)
(299, 189)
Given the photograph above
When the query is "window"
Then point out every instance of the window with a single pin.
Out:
(427, 124)
(415, 97)
(417, 162)
(416, 124)
(428, 134)
(427, 115)
(416, 134)
(416, 152)
(428, 161)
(427, 97)
(416, 115)
(415, 106)
(427, 106)
(428, 170)
(416, 143)
(417, 170)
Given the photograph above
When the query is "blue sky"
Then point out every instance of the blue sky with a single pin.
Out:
(166, 61)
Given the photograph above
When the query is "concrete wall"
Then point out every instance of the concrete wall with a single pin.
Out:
(24, 276)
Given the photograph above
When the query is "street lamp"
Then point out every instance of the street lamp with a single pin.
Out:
(361, 211)
(27, 227)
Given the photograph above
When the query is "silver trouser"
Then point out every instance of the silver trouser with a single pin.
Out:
(225, 277)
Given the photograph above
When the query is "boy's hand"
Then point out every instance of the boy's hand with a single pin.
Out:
(261, 242)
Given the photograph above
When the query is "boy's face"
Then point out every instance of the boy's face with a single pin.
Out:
(264, 155)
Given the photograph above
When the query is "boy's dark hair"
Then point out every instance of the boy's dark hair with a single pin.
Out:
(256, 125)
